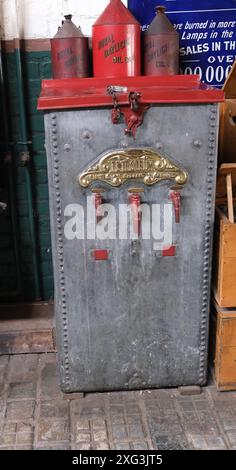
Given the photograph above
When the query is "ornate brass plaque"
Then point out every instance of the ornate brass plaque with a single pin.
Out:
(143, 165)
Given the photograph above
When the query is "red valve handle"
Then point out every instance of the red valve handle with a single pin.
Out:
(135, 202)
(98, 203)
(176, 199)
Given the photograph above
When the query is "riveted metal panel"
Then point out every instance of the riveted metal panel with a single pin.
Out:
(136, 319)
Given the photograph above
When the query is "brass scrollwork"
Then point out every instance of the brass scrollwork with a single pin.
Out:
(143, 165)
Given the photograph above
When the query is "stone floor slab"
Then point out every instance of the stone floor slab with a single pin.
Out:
(35, 414)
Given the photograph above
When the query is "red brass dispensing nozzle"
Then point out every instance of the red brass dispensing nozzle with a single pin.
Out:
(175, 196)
(98, 200)
(135, 202)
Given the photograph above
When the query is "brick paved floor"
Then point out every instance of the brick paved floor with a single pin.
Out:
(35, 414)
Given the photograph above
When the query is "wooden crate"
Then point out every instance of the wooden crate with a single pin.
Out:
(224, 258)
(223, 347)
(227, 133)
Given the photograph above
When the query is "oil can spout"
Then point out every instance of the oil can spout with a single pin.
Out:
(68, 17)
(160, 9)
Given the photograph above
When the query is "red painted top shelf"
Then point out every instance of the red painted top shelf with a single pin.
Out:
(92, 92)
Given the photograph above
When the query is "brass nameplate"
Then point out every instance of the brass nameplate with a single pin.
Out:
(143, 165)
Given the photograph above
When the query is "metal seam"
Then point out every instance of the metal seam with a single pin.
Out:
(60, 251)
(207, 241)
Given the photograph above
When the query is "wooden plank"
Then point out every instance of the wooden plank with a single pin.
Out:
(230, 198)
(219, 286)
(221, 192)
(217, 348)
(223, 347)
(227, 296)
(226, 168)
(227, 366)
(19, 342)
(228, 332)
(27, 328)
(224, 261)
(215, 260)
(229, 241)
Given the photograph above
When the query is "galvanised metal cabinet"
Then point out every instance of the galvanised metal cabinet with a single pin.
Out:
(131, 313)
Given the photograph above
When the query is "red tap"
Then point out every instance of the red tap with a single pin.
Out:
(98, 203)
(98, 200)
(134, 200)
(175, 197)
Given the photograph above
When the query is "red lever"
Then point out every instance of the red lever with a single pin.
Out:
(134, 200)
(98, 200)
(98, 203)
(175, 197)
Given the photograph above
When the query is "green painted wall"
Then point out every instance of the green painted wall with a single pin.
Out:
(36, 66)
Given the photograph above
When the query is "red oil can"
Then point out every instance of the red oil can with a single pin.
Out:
(161, 46)
(116, 43)
(70, 52)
